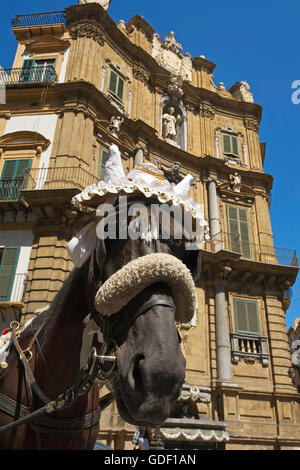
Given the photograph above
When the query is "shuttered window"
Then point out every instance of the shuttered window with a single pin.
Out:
(42, 70)
(230, 145)
(116, 85)
(102, 162)
(8, 263)
(14, 178)
(238, 231)
(246, 316)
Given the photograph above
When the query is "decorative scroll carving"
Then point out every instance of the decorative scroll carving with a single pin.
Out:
(251, 125)
(206, 111)
(89, 29)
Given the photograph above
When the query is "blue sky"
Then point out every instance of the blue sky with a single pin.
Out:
(256, 41)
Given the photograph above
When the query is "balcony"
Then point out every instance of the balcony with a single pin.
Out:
(58, 178)
(252, 251)
(28, 76)
(39, 19)
(10, 193)
(249, 348)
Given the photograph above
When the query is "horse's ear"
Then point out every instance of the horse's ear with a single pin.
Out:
(193, 263)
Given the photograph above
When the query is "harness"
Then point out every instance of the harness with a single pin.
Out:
(39, 420)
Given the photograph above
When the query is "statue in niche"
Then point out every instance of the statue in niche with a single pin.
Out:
(104, 3)
(235, 181)
(115, 125)
(169, 124)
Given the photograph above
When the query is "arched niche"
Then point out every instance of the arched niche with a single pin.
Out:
(181, 127)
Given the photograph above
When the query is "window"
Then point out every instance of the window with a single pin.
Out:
(230, 145)
(42, 70)
(238, 231)
(8, 263)
(246, 316)
(14, 177)
(116, 85)
(102, 162)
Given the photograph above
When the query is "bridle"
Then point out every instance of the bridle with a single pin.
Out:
(92, 372)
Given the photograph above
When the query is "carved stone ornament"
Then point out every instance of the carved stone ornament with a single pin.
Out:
(87, 29)
(242, 92)
(104, 3)
(168, 55)
(251, 125)
(195, 394)
(175, 86)
(140, 73)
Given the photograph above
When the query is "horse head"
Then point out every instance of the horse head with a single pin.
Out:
(141, 291)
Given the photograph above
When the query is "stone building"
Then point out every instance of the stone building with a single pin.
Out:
(80, 82)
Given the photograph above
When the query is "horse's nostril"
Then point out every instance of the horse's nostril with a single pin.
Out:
(136, 373)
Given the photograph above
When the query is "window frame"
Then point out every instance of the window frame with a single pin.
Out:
(231, 153)
(235, 309)
(229, 233)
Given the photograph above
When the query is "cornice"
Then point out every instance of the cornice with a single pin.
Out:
(194, 96)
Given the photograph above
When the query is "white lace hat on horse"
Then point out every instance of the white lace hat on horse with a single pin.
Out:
(147, 180)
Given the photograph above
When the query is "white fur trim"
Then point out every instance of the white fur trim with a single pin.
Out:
(142, 272)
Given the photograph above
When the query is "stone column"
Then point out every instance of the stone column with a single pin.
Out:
(222, 334)
(214, 220)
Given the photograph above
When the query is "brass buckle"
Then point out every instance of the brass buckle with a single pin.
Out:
(27, 354)
(11, 325)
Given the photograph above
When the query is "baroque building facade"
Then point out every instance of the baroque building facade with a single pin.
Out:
(79, 83)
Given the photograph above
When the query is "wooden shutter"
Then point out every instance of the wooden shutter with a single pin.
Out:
(27, 70)
(102, 163)
(116, 85)
(234, 147)
(238, 228)
(246, 316)
(14, 178)
(120, 89)
(113, 80)
(7, 272)
(230, 145)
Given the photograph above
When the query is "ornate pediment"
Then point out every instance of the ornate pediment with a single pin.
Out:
(47, 43)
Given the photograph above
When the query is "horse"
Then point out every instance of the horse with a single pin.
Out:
(49, 369)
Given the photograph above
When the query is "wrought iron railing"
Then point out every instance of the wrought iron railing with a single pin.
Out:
(38, 19)
(12, 287)
(263, 253)
(10, 188)
(25, 75)
(59, 178)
